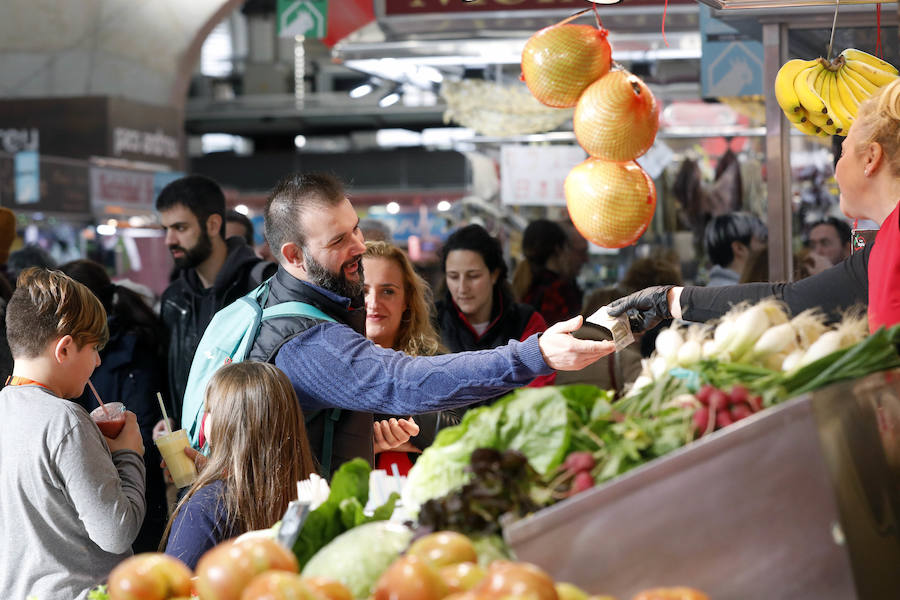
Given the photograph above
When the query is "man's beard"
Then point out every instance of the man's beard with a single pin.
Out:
(334, 282)
(195, 255)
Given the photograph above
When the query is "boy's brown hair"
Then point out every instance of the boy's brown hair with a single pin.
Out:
(48, 305)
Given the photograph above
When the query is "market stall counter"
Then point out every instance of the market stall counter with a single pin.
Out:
(801, 501)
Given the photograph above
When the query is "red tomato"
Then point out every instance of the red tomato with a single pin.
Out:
(149, 576)
(444, 548)
(506, 579)
(673, 593)
(224, 571)
(329, 588)
(278, 585)
(410, 578)
(462, 577)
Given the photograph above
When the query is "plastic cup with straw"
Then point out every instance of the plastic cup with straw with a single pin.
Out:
(110, 418)
(171, 447)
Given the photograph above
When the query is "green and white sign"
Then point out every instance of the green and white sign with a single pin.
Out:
(308, 18)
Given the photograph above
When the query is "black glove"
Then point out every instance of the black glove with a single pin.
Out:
(645, 309)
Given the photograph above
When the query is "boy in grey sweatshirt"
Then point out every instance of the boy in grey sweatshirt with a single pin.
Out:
(71, 500)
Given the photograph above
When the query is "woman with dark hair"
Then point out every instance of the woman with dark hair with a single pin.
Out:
(478, 311)
(131, 371)
(545, 279)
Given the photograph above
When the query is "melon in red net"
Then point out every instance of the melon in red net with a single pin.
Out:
(617, 117)
(611, 203)
(560, 61)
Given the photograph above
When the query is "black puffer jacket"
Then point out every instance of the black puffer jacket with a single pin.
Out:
(352, 429)
(186, 308)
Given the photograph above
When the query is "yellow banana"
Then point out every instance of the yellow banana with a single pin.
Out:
(869, 87)
(784, 85)
(848, 98)
(877, 76)
(800, 116)
(805, 87)
(855, 88)
(874, 61)
(808, 128)
(836, 107)
(840, 125)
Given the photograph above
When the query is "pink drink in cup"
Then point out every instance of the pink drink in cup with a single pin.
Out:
(110, 418)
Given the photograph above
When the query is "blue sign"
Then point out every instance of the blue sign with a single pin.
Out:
(731, 63)
(28, 180)
(405, 224)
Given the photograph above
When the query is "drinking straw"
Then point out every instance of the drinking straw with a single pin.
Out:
(162, 407)
(97, 396)
(396, 473)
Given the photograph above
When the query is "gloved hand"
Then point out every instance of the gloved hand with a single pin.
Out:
(645, 308)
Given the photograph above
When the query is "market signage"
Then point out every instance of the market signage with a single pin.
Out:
(154, 144)
(413, 7)
(534, 175)
(19, 140)
(121, 188)
(308, 18)
(731, 61)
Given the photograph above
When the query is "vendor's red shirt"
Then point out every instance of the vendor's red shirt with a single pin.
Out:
(884, 274)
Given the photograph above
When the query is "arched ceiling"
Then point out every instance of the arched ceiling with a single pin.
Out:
(144, 50)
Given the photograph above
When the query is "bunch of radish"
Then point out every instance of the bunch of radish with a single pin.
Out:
(719, 409)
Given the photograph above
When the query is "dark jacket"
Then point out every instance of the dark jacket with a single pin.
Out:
(509, 321)
(557, 299)
(132, 371)
(353, 429)
(186, 308)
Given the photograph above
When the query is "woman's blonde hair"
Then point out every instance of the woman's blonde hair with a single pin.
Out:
(416, 335)
(878, 119)
(258, 445)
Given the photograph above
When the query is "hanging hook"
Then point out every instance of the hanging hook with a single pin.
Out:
(833, 25)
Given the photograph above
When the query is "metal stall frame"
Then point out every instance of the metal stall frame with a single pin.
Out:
(778, 18)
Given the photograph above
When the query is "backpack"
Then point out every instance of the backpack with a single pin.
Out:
(228, 338)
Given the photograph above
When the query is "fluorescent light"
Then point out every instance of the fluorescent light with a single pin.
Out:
(242, 208)
(389, 100)
(443, 206)
(106, 229)
(397, 138)
(392, 207)
(300, 141)
(362, 90)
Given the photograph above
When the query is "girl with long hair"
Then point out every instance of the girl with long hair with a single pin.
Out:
(258, 452)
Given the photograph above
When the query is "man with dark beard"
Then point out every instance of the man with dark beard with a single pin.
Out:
(342, 378)
(212, 272)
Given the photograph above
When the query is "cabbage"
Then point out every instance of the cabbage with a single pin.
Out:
(358, 557)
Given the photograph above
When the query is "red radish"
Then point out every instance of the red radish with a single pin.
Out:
(740, 411)
(701, 420)
(579, 461)
(739, 394)
(617, 117)
(704, 392)
(755, 402)
(718, 400)
(560, 61)
(723, 419)
(583, 481)
(610, 203)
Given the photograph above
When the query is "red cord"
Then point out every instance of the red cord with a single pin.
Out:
(878, 49)
(597, 16)
(665, 8)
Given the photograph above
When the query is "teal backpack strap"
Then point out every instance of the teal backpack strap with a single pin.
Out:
(295, 309)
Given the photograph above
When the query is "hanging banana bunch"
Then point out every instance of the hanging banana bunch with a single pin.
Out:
(820, 97)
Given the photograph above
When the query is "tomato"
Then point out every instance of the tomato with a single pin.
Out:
(462, 577)
(149, 576)
(224, 571)
(278, 585)
(444, 548)
(568, 591)
(410, 578)
(672, 593)
(329, 588)
(505, 579)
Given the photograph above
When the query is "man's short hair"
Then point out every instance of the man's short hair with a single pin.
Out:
(291, 198)
(48, 305)
(199, 194)
(233, 216)
(840, 226)
(722, 230)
